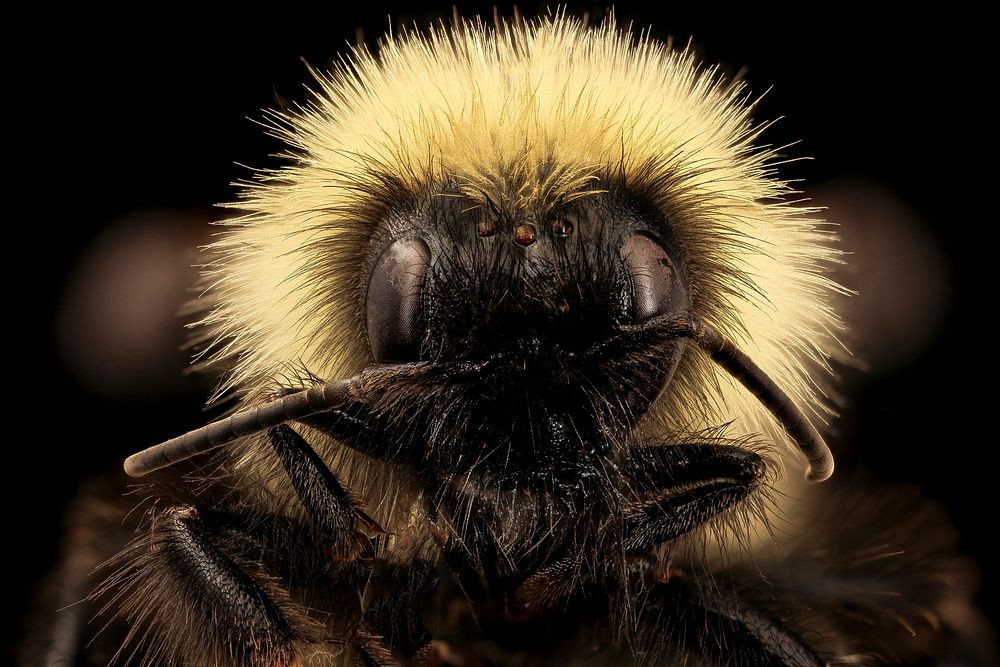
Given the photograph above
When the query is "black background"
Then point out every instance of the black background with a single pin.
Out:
(156, 114)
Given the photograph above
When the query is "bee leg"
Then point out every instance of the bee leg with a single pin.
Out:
(709, 621)
(399, 594)
(549, 586)
(680, 487)
(372, 649)
(334, 511)
(195, 591)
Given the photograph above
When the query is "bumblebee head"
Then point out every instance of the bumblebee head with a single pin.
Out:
(528, 305)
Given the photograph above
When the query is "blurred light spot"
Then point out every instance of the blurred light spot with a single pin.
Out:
(897, 267)
(117, 327)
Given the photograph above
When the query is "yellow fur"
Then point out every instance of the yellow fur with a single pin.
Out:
(530, 116)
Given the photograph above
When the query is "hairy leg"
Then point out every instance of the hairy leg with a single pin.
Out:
(337, 515)
(680, 487)
(194, 591)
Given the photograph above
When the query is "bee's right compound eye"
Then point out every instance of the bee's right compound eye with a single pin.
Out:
(394, 313)
(659, 287)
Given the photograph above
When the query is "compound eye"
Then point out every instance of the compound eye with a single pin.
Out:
(658, 285)
(394, 314)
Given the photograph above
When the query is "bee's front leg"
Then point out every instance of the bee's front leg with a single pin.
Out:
(668, 491)
(680, 487)
(336, 514)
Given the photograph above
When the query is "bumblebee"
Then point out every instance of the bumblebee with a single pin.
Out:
(520, 335)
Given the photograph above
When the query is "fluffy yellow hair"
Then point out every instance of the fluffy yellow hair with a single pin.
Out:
(529, 115)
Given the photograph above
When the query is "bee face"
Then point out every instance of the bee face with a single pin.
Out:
(526, 306)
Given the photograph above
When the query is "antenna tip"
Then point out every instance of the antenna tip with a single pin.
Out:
(134, 468)
(820, 471)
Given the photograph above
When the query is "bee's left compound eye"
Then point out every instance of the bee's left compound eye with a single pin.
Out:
(394, 313)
